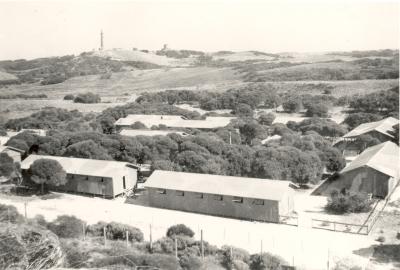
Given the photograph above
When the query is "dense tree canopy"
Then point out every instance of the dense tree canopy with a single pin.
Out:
(47, 172)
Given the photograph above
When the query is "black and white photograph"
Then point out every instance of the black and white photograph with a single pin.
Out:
(199, 135)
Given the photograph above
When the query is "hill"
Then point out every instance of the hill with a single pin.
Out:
(140, 56)
(7, 78)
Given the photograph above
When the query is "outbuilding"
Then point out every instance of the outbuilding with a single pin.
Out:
(220, 195)
(96, 177)
(12, 152)
(375, 171)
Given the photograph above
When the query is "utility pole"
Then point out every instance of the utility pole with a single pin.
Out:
(101, 41)
(127, 238)
(201, 244)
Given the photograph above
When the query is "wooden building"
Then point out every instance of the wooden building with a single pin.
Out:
(235, 197)
(375, 171)
(173, 121)
(96, 177)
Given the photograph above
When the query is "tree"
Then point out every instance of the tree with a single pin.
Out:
(7, 166)
(266, 119)
(243, 110)
(47, 172)
(317, 109)
(266, 261)
(66, 226)
(69, 97)
(138, 125)
(364, 141)
(395, 133)
(179, 229)
(292, 104)
(355, 119)
(250, 131)
(87, 149)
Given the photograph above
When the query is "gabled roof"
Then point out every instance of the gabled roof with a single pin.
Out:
(383, 157)
(219, 184)
(82, 166)
(149, 132)
(174, 121)
(382, 126)
(5, 147)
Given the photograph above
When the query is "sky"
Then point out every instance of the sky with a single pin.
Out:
(31, 29)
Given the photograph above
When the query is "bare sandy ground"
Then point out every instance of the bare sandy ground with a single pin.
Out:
(302, 246)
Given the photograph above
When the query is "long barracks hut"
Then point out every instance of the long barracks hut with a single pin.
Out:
(236, 197)
(375, 171)
(96, 177)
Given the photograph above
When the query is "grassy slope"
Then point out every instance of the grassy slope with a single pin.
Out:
(4, 76)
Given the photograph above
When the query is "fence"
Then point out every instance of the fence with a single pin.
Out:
(339, 226)
(289, 220)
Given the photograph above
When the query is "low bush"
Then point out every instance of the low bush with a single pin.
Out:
(115, 231)
(179, 229)
(345, 202)
(87, 98)
(69, 97)
(67, 226)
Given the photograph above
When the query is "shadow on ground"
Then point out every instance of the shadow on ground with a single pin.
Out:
(385, 253)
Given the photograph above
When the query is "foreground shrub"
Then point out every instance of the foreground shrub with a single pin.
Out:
(87, 98)
(179, 229)
(67, 226)
(340, 203)
(115, 231)
(266, 262)
(9, 213)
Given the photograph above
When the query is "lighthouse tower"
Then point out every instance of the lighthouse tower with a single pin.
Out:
(101, 41)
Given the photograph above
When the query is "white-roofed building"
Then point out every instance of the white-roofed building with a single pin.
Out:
(236, 197)
(379, 129)
(12, 152)
(149, 132)
(97, 177)
(374, 171)
(173, 121)
(4, 140)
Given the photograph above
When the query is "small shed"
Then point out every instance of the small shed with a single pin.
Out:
(380, 130)
(220, 195)
(97, 177)
(375, 171)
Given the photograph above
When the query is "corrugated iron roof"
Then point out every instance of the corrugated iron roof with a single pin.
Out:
(383, 157)
(5, 147)
(149, 132)
(174, 121)
(382, 126)
(82, 166)
(219, 184)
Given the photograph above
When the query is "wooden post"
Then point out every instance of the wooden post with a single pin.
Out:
(26, 214)
(127, 238)
(151, 239)
(105, 236)
(84, 230)
(261, 248)
(176, 248)
(201, 244)
(328, 259)
(8, 216)
(231, 253)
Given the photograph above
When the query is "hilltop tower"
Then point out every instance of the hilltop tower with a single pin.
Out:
(101, 41)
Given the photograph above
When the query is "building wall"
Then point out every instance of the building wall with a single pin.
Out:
(368, 180)
(209, 204)
(286, 205)
(100, 186)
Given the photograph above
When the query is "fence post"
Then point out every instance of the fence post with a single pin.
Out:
(26, 213)
(334, 226)
(201, 244)
(127, 238)
(176, 248)
(151, 239)
(84, 230)
(105, 236)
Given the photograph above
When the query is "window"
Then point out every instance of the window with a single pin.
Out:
(237, 199)
(218, 197)
(161, 191)
(258, 202)
(179, 193)
(199, 195)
